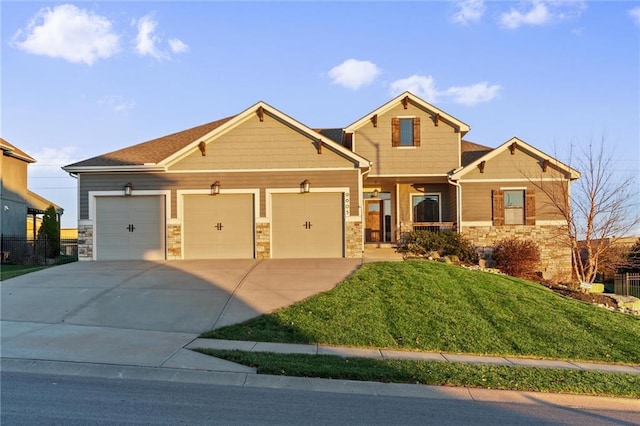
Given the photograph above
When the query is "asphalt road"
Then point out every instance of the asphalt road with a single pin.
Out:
(28, 399)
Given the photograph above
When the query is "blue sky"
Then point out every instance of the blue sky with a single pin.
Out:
(84, 78)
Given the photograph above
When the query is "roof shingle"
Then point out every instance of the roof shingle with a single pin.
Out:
(153, 151)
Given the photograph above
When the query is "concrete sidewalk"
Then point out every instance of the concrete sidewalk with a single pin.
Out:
(381, 354)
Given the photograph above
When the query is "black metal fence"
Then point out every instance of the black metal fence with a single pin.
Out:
(39, 251)
(627, 284)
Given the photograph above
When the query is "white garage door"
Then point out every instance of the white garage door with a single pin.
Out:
(218, 226)
(130, 228)
(307, 225)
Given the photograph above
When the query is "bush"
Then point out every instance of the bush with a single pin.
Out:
(445, 243)
(518, 258)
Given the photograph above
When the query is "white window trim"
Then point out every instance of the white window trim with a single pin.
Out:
(412, 194)
(524, 205)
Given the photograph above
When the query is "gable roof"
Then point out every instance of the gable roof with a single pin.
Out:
(11, 150)
(150, 152)
(460, 125)
(457, 174)
(158, 154)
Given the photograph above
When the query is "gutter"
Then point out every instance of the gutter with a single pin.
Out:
(458, 202)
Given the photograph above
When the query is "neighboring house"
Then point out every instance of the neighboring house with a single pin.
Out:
(261, 184)
(18, 205)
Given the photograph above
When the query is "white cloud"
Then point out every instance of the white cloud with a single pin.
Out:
(178, 46)
(474, 94)
(117, 103)
(541, 12)
(420, 85)
(70, 33)
(537, 15)
(635, 15)
(50, 160)
(469, 11)
(425, 87)
(354, 74)
(148, 42)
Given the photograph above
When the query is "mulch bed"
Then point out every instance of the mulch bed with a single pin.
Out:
(598, 299)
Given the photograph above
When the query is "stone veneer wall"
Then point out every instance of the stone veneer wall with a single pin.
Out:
(353, 235)
(174, 241)
(85, 242)
(263, 240)
(555, 254)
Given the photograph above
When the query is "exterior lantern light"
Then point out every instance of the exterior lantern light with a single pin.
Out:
(305, 186)
(215, 188)
(128, 189)
(376, 193)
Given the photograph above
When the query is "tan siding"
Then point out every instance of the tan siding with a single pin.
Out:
(175, 181)
(269, 144)
(14, 178)
(477, 200)
(438, 152)
(520, 165)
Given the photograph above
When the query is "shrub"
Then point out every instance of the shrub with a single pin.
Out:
(518, 258)
(445, 243)
(50, 232)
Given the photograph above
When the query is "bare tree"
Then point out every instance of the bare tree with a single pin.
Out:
(599, 208)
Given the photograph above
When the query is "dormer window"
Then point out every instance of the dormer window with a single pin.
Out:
(405, 131)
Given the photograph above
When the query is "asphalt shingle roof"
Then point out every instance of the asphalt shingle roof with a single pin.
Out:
(471, 151)
(152, 151)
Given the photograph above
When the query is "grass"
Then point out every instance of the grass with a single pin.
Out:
(10, 271)
(431, 306)
(439, 373)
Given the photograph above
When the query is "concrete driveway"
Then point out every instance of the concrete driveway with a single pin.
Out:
(144, 313)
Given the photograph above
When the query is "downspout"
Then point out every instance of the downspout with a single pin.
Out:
(458, 203)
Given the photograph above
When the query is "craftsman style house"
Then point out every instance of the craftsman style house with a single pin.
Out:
(263, 185)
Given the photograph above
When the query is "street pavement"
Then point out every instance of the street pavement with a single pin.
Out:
(139, 319)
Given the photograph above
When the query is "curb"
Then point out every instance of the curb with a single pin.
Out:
(120, 372)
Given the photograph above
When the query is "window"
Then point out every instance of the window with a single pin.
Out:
(426, 208)
(405, 131)
(514, 207)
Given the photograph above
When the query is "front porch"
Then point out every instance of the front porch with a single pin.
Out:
(392, 208)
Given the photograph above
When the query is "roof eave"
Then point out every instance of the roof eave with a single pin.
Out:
(100, 169)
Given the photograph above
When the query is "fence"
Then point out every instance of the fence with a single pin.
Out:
(627, 284)
(39, 251)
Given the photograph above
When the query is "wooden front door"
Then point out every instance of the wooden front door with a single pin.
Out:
(373, 221)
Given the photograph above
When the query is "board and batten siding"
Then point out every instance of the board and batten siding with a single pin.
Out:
(270, 144)
(477, 202)
(229, 180)
(438, 152)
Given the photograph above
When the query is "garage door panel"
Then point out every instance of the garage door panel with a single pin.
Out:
(219, 227)
(116, 240)
(307, 225)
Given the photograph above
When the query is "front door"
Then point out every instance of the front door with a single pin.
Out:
(373, 221)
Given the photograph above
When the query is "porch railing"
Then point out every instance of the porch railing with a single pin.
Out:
(433, 226)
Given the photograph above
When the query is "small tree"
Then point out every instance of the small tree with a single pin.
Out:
(50, 231)
(632, 259)
(598, 209)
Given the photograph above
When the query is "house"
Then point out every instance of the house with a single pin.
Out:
(262, 185)
(19, 206)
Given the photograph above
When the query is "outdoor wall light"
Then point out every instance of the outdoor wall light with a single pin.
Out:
(128, 189)
(305, 186)
(215, 188)
(375, 194)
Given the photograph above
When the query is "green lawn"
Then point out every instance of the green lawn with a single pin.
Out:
(418, 305)
(439, 373)
(10, 271)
